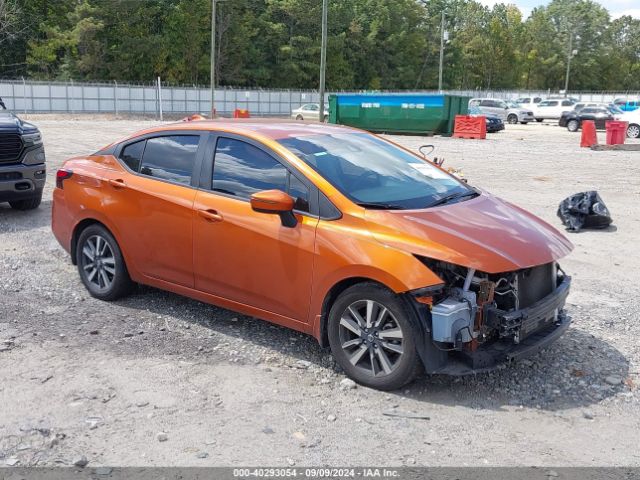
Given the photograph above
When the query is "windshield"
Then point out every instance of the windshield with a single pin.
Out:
(374, 173)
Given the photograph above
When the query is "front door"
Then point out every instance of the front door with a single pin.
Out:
(246, 256)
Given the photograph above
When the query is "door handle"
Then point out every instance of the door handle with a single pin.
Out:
(210, 215)
(117, 183)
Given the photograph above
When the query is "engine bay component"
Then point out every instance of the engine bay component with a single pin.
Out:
(475, 308)
(453, 318)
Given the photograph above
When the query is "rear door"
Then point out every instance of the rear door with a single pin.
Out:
(152, 204)
(547, 109)
(492, 107)
(246, 256)
(565, 106)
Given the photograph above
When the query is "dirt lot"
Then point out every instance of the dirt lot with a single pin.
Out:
(82, 377)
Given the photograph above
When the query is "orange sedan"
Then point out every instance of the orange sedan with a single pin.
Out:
(378, 253)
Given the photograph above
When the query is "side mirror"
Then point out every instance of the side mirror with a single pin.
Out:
(275, 202)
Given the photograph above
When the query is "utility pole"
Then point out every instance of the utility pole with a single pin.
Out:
(570, 54)
(323, 57)
(441, 53)
(213, 58)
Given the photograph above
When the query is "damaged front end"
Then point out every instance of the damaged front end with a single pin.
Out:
(478, 321)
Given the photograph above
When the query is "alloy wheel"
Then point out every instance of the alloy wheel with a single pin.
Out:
(512, 119)
(98, 262)
(633, 131)
(573, 126)
(371, 337)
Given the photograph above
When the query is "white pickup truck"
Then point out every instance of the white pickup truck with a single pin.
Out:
(551, 108)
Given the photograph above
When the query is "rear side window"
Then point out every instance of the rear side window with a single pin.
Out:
(132, 155)
(170, 158)
(240, 169)
(567, 103)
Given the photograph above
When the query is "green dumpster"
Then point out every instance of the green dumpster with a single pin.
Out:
(398, 113)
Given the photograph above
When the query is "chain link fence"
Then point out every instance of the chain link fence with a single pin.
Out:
(30, 96)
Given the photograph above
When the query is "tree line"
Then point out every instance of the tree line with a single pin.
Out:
(372, 44)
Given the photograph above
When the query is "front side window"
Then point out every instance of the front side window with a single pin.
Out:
(171, 157)
(567, 103)
(374, 173)
(241, 169)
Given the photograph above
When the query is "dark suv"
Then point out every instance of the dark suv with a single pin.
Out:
(22, 162)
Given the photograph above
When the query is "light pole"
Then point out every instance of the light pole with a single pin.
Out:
(570, 54)
(213, 57)
(323, 56)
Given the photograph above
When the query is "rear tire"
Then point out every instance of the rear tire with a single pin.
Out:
(101, 264)
(371, 337)
(299, 117)
(512, 119)
(524, 123)
(539, 120)
(633, 131)
(28, 203)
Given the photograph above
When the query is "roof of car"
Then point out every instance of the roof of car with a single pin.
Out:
(270, 128)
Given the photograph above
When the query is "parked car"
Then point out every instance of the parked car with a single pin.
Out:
(633, 119)
(332, 231)
(22, 162)
(310, 111)
(573, 120)
(511, 113)
(552, 109)
(494, 123)
(630, 106)
(517, 113)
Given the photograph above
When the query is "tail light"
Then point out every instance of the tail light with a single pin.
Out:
(61, 176)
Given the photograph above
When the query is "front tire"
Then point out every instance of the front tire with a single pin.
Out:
(512, 119)
(539, 120)
(573, 125)
(101, 264)
(371, 337)
(299, 117)
(27, 203)
(633, 131)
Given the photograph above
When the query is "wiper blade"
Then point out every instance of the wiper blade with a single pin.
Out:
(453, 196)
(379, 206)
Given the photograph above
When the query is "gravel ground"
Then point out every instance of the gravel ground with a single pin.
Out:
(157, 379)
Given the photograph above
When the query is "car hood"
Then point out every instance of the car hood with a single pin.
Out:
(485, 233)
(10, 122)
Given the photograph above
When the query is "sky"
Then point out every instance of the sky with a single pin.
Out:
(616, 8)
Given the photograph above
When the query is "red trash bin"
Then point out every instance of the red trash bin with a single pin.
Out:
(616, 132)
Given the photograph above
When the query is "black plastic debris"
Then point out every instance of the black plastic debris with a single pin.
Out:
(584, 210)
